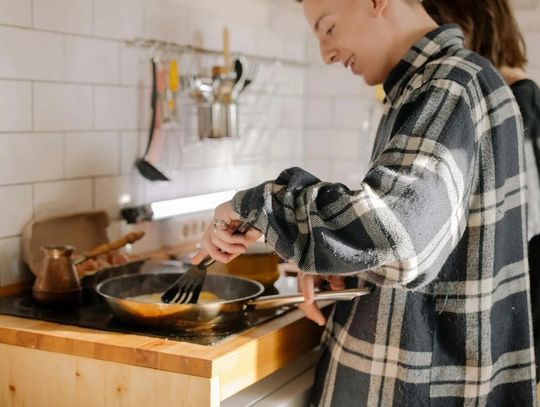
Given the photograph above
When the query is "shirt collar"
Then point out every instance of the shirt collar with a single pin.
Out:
(420, 53)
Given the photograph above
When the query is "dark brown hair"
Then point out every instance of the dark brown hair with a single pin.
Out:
(490, 28)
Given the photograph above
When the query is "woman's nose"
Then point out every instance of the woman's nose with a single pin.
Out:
(329, 55)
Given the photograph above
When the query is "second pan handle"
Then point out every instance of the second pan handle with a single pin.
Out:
(276, 301)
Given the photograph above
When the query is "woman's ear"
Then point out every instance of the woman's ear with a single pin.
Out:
(378, 6)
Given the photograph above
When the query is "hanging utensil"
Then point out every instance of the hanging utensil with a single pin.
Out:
(146, 165)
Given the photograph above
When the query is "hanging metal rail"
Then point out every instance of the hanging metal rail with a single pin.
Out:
(182, 49)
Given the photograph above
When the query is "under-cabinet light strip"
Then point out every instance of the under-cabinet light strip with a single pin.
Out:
(187, 205)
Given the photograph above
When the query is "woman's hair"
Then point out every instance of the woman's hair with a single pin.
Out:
(490, 28)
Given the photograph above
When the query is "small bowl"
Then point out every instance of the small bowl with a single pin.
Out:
(259, 263)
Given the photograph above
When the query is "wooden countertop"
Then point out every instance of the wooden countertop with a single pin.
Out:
(238, 361)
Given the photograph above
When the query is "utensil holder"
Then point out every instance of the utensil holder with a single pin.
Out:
(217, 120)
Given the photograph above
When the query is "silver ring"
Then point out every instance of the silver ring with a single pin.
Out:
(219, 224)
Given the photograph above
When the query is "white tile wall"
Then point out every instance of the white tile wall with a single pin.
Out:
(16, 12)
(92, 61)
(30, 157)
(27, 54)
(117, 107)
(110, 193)
(15, 209)
(15, 106)
(166, 22)
(70, 16)
(92, 154)
(11, 270)
(62, 107)
(118, 18)
(55, 198)
(131, 145)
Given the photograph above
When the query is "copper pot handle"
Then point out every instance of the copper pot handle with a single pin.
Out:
(107, 247)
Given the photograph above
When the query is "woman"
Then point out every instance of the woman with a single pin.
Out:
(491, 30)
(418, 230)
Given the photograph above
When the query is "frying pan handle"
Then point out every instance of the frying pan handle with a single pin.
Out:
(276, 301)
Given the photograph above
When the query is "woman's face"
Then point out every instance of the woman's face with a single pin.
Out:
(354, 33)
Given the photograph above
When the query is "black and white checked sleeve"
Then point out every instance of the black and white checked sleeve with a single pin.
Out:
(407, 216)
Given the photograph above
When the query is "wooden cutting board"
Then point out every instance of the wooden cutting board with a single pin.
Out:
(83, 230)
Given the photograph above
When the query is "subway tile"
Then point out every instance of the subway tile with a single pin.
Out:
(290, 21)
(194, 155)
(353, 113)
(205, 30)
(335, 80)
(133, 145)
(70, 16)
(319, 167)
(287, 112)
(30, 157)
(166, 22)
(286, 143)
(62, 107)
(268, 78)
(111, 193)
(256, 13)
(253, 144)
(92, 154)
(12, 271)
(122, 19)
(220, 153)
(346, 143)
(319, 112)
(60, 197)
(208, 180)
(318, 143)
(290, 80)
(242, 39)
(15, 106)
(118, 107)
(171, 157)
(268, 45)
(248, 175)
(162, 191)
(333, 143)
(294, 50)
(348, 172)
(91, 60)
(135, 67)
(16, 12)
(27, 54)
(15, 209)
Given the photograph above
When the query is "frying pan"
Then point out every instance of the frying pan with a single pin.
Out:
(237, 295)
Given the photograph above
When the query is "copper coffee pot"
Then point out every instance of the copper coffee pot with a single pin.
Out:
(57, 280)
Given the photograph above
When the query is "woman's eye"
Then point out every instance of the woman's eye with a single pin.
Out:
(330, 30)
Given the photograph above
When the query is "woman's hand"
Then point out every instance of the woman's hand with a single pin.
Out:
(306, 285)
(218, 240)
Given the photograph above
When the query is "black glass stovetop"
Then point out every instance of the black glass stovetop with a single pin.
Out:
(94, 313)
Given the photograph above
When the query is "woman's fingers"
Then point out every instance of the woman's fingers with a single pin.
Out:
(306, 285)
(311, 311)
(228, 238)
(227, 246)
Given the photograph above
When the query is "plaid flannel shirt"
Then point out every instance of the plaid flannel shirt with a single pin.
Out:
(437, 227)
